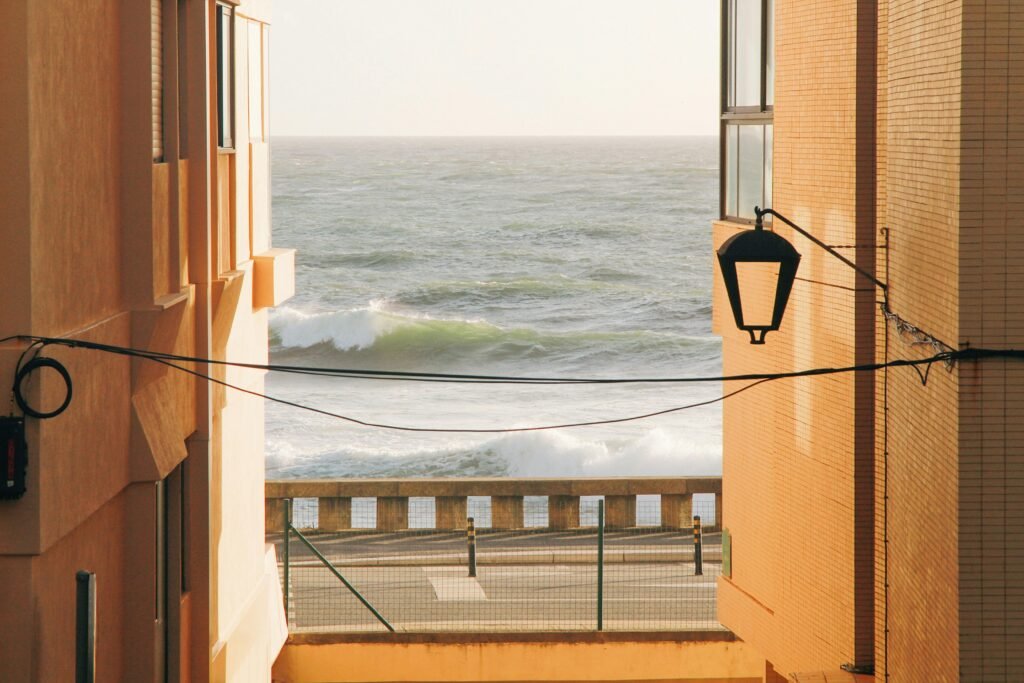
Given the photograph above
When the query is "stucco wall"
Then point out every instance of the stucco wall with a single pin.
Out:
(697, 658)
(103, 244)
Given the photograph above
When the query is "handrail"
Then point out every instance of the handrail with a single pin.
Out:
(490, 486)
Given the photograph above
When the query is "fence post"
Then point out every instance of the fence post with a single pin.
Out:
(600, 565)
(287, 539)
(698, 551)
(471, 541)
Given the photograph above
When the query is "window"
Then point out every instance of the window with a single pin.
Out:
(748, 98)
(156, 12)
(256, 79)
(225, 77)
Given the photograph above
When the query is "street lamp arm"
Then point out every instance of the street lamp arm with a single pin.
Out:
(759, 225)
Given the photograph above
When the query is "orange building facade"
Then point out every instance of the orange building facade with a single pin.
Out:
(135, 211)
(874, 520)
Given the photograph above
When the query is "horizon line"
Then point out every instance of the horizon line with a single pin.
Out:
(495, 135)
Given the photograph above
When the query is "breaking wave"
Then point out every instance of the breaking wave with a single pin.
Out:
(373, 336)
(658, 452)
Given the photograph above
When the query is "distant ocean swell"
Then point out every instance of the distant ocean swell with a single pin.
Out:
(374, 336)
(545, 257)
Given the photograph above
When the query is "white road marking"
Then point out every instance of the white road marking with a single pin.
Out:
(456, 588)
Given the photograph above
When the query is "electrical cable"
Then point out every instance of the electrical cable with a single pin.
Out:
(172, 360)
(946, 356)
(457, 430)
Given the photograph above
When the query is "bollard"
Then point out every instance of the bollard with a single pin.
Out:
(698, 552)
(471, 541)
(85, 627)
(287, 539)
(600, 565)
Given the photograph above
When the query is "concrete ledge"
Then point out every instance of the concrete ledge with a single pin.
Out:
(591, 657)
(490, 486)
(722, 636)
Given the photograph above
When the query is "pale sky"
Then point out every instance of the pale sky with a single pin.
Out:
(495, 67)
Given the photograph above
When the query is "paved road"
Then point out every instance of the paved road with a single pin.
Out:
(411, 580)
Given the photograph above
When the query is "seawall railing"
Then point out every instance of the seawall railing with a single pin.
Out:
(445, 504)
(489, 554)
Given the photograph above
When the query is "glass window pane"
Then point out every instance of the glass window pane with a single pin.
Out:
(751, 170)
(266, 82)
(769, 157)
(225, 81)
(729, 68)
(770, 56)
(255, 73)
(746, 53)
(731, 168)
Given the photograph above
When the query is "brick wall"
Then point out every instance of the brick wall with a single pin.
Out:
(991, 314)
(917, 490)
(799, 454)
(880, 520)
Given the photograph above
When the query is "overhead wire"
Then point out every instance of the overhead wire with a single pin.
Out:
(174, 361)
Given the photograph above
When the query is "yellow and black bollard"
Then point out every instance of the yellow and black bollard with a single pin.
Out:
(471, 540)
(698, 552)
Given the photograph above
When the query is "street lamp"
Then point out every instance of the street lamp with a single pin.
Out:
(765, 264)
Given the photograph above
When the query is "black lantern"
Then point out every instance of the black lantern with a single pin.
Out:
(776, 260)
(772, 261)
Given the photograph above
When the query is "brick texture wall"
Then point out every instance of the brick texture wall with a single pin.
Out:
(879, 520)
(991, 314)
(799, 454)
(917, 490)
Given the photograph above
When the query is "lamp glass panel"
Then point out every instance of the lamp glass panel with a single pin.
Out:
(732, 149)
(751, 170)
(757, 283)
(745, 52)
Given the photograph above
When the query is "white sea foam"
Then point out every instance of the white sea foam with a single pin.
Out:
(353, 329)
(562, 454)
(657, 452)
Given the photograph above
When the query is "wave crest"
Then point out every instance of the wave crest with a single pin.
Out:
(384, 339)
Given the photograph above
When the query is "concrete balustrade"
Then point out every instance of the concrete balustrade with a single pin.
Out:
(507, 505)
(507, 512)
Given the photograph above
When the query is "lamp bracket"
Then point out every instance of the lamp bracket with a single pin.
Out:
(759, 225)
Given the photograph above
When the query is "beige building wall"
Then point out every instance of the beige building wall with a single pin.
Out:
(104, 243)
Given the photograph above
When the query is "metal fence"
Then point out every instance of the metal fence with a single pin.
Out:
(644, 577)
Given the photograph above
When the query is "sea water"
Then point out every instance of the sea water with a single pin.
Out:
(513, 256)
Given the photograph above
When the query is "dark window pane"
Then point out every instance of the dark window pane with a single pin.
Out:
(731, 165)
(751, 170)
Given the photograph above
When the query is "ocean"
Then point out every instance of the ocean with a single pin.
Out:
(516, 256)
